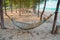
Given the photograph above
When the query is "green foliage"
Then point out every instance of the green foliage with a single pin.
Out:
(24, 3)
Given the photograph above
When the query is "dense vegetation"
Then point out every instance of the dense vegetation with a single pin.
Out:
(22, 3)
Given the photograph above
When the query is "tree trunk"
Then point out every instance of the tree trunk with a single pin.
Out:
(43, 10)
(20, 11)
(38, 10)
(34, 8)
(1, 14)
(5, 6)
(55, 19)
(11, 6)
(16, 9)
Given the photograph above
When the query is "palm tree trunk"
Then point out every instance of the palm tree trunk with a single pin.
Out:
(55, 19)
(43, 10)
(1, 14)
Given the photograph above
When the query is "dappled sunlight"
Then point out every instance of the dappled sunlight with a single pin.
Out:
(29, 20)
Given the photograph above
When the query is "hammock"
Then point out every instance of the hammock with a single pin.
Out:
(27, 26)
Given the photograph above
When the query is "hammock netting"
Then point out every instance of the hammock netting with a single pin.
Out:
(28, 26)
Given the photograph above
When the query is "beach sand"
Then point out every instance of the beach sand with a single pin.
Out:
(43, 32)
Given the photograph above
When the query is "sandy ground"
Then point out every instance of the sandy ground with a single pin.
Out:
(40, 33)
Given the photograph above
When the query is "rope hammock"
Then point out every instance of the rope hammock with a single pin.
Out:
(28, 26)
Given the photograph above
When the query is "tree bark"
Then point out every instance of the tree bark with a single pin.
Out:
(55, 19)
(1, 14)
(43, 10)
(16, 10)
(34, 8)
(5, 6)
(20, 11)
(38, 9)
(11, 6)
